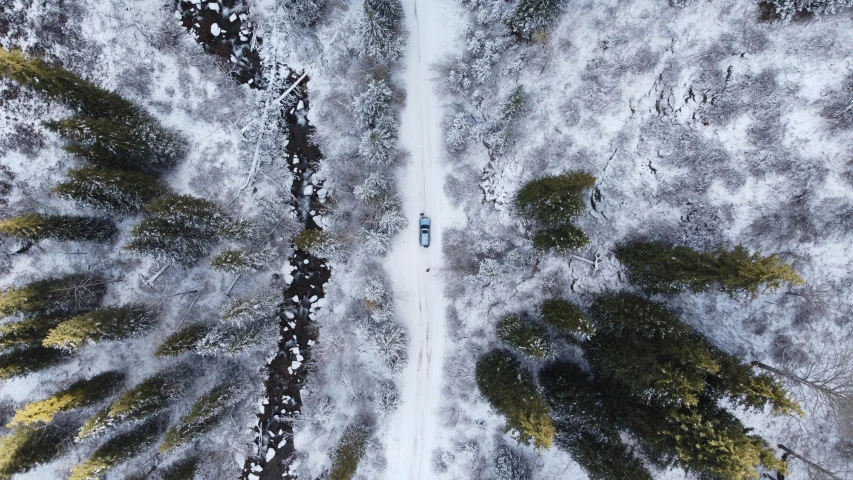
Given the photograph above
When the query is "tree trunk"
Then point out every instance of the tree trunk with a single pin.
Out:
(823, 389)
(809, 462)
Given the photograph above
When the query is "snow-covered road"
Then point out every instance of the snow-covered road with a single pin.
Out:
(413, 434)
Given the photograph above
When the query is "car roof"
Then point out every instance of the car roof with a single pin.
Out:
(424, 221)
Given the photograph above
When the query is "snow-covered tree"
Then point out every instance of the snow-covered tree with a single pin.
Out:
(233, 340)
(786, 9)
(378, 146)
(385, 221)
(118, 449)
(205, 414)
(510, 465)
(115, 191)
(34, 227)
(179, 228)
(303, 12)
(566, 318)
(391, 341)
(457, 132)
(373, 104)
(526, 336)
(554, 200)
(79, 394)
(147, 398)
(241, 261)
(184, 340)
(386, 400)
(183, 469)
(534, 17)
(103, 324)
(375, 292)
(380, 31)
(29, 332)
(376, 184)
(259, 307)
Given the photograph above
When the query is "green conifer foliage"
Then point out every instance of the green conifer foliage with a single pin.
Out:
(240, 261)
(133, 142)
(150, 396)
(526, 336)
(60, 84)
(554, 201)
(35, 227)
(349, 451)
(512, 392)
(180, 228)
(68, 294)
(534, 17)
(660, 268)
(184, 340)
(81, 393)
(29, 360)
(31, 445)
(104, 324)
(114, 191)
(559, 239)
(566, 318)
(205, 415)
(183, 469)
(27, 333)
(118, 449)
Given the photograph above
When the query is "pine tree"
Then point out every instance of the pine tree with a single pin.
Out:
(534, 17)
(31, 445)
(660, 268)
(510, 465)
(60, 84)
(378, 146)
(115, 191)
(380, 31)
(512, 392)
(349, 451)
(315, 241)
(303, 12)
(526, 336)
(104, 324)
(559, 239)
(259, 307)
(53, 296)
(234, 340)
(566, 318)
(126, 143)
(204, 416)
(29, 332)
(183, 469)
(787, 9)
(149, 397)
(373, 104)
(34, 227)
(241, 261)
(81, 393)
(29, 360)
(554, 201)
(180, 228)
(118, 449)
(185, 340)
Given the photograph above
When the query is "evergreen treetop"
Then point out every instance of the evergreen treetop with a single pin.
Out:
(34, 227)
(512, 392)
(29, 360)
(115, 191)
(207, 412)
(29, 332)
(68, 294)
(526, 336)
(240, 261)
(660, 268)
(81, 393)
(183, 469)
(184, 340)
(559, 239)
(118, 449)
(148, 397)
(103, 324)
(533, 18)
(566, 318)
(555, 200)
(31, 445)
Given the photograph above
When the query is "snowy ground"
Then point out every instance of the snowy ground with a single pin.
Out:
(416, 272)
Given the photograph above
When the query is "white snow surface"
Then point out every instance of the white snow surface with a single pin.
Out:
(413, 434)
